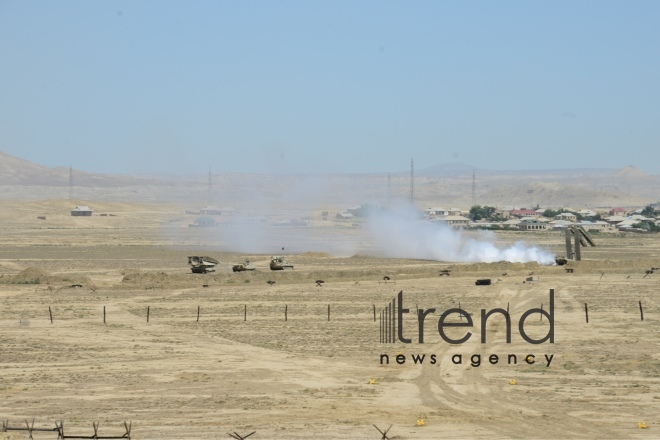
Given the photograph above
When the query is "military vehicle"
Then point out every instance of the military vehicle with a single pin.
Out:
(202, 264)
(243, 266)
(278, 262)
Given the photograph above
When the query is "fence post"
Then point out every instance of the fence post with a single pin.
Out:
(641, 311)
(103, 314)
(50, 312)
(147, 313)
(374, 312)
(328, 312)
(245, 312)
(197, 313)
(586, 313)
(286, 312)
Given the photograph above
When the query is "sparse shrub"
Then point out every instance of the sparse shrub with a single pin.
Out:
(34, 281)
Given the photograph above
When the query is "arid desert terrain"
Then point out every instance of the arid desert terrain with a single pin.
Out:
(241, 367)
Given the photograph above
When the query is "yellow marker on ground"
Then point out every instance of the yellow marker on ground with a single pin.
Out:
(372, 381)
(513, 382)
(420, 422)
(642, 425)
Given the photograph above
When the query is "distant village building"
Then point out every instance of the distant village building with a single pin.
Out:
(587, 213)
(532, 224)
(442, 212)
(455, 221)
(512, 223)
(521, 213)
(210, 210)
(595, 226)
(560, 224)
(617, 211)
(615, 219)
(82, 211)
(568, 216)
(435, 212)
(203, 222)
(344, 216)
(640, 218)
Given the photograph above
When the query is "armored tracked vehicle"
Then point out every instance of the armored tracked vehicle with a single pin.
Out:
(202, 264)
(243, 266)
(278, 262)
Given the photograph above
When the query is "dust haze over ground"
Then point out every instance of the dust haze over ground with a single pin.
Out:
(396, 232)
(245, 234)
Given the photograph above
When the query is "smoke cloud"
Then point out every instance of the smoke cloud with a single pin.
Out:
(401, 233)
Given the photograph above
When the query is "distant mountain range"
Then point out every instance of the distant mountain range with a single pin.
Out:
(17, 171)
(440, 185)
(457, 169)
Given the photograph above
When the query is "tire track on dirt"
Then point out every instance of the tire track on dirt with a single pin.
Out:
(465, 393)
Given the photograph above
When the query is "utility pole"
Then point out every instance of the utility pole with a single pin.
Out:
(474, 189)
(210, 198)
(389, 189)
(70, 182)
(412, 181)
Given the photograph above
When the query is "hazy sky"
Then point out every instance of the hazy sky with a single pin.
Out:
(330, 86)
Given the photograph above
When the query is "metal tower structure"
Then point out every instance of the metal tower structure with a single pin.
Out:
(474, 188)
(412, 181)
(209, 196)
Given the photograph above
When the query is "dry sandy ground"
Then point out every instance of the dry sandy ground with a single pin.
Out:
(307, 377)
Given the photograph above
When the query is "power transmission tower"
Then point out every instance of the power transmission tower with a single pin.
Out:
(389, 189)
(412, 181)
(474, 189)
(210, 197)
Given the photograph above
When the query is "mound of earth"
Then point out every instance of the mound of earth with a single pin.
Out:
(37, 275)
(31, 275)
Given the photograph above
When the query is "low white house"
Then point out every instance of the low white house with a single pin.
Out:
(597, 225)
(455, 221)
(82, 211)
(436, 212)
(532, 224)
(210, 210)
(615, 219)
(587, 213)
(568, 216)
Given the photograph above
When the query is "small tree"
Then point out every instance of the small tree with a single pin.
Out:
(649, 226)
(478, 212)
(648, 211)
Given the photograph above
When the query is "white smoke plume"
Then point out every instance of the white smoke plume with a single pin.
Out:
(401, 233)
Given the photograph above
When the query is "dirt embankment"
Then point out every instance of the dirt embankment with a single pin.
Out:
(37, 275)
